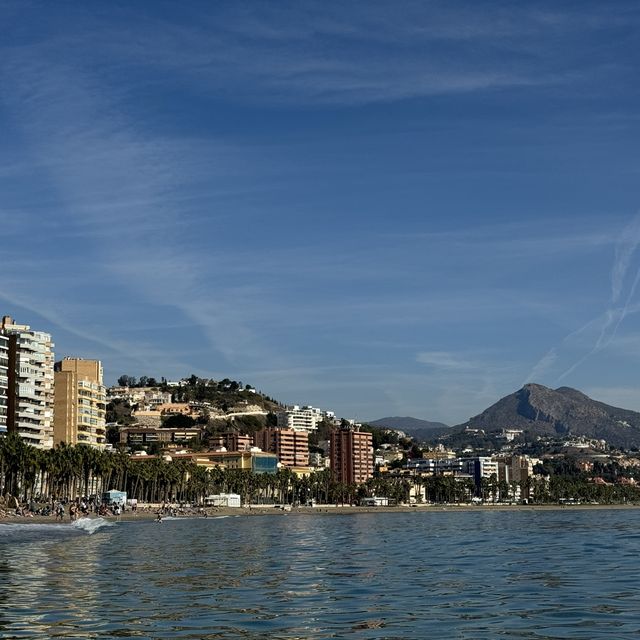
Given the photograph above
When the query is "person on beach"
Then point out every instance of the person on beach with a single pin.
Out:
(73, 510)
(159, 518)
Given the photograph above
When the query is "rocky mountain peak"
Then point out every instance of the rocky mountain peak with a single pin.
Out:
(542, 411)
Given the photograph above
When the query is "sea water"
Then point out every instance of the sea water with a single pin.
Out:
(436, 574)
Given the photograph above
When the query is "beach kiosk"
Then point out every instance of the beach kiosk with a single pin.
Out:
(115, 497)
(223, 500)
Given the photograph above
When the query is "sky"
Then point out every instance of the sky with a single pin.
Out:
(377, 208)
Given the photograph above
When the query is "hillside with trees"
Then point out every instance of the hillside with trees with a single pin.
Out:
(223, 394)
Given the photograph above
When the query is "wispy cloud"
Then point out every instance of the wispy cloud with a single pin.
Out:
(122, 190)
(220, 251)
(542, 366)
(600, 332)
(615, 315)
(346, 54)
(445, 360)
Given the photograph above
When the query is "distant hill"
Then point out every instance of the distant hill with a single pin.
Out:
(414, 427)
(541, 411)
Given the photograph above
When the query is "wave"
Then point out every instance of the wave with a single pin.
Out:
(91, 525)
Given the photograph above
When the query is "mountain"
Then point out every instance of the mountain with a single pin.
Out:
(412, 426)
(561, 412)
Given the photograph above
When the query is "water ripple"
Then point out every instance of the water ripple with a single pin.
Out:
(476, 575)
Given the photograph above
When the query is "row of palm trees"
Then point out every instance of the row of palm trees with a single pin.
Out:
(67, 472)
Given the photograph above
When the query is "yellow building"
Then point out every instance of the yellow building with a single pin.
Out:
(79, 403)
(254, 461)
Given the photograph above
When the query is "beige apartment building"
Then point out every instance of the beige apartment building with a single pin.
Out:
(29, 383)
(80, 403)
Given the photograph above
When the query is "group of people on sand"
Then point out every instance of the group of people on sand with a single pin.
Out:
(74, 509)
(61, 507)
(81, 507)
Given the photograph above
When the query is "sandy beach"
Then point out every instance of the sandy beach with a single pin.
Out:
(322, 510)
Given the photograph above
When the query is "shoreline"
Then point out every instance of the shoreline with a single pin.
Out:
(328, 510)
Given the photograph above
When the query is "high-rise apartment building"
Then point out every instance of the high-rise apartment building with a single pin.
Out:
(351, 455)
(305, 419)
(30, 384)
(291, 447)
(80, 402)
(4, 381)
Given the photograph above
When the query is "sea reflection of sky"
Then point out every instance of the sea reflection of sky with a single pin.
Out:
(48, 584)
(475, 575)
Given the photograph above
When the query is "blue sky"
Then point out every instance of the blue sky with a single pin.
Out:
(379, 208)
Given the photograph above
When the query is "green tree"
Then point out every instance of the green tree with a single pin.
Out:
(178, 421)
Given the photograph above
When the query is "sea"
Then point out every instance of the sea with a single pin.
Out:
(437, 573)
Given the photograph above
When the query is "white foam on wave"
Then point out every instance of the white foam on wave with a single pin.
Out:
(91, 525)
(35, 530)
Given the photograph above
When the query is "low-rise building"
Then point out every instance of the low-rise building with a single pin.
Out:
(318, 460)
(375, 501)
(436, 466)
(232, 441)
(254, 461)
(145, 435)
(223, 500)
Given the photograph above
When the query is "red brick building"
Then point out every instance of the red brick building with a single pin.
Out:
(351, 456)
(291, 447)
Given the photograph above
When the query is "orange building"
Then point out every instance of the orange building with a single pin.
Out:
(351, 456)
(291, 447)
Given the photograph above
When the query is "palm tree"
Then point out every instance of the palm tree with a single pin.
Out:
(13, 452)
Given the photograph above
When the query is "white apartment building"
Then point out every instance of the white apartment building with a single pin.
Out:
(299, 419)
(30, 388)
(485, 467)
(4, 381)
